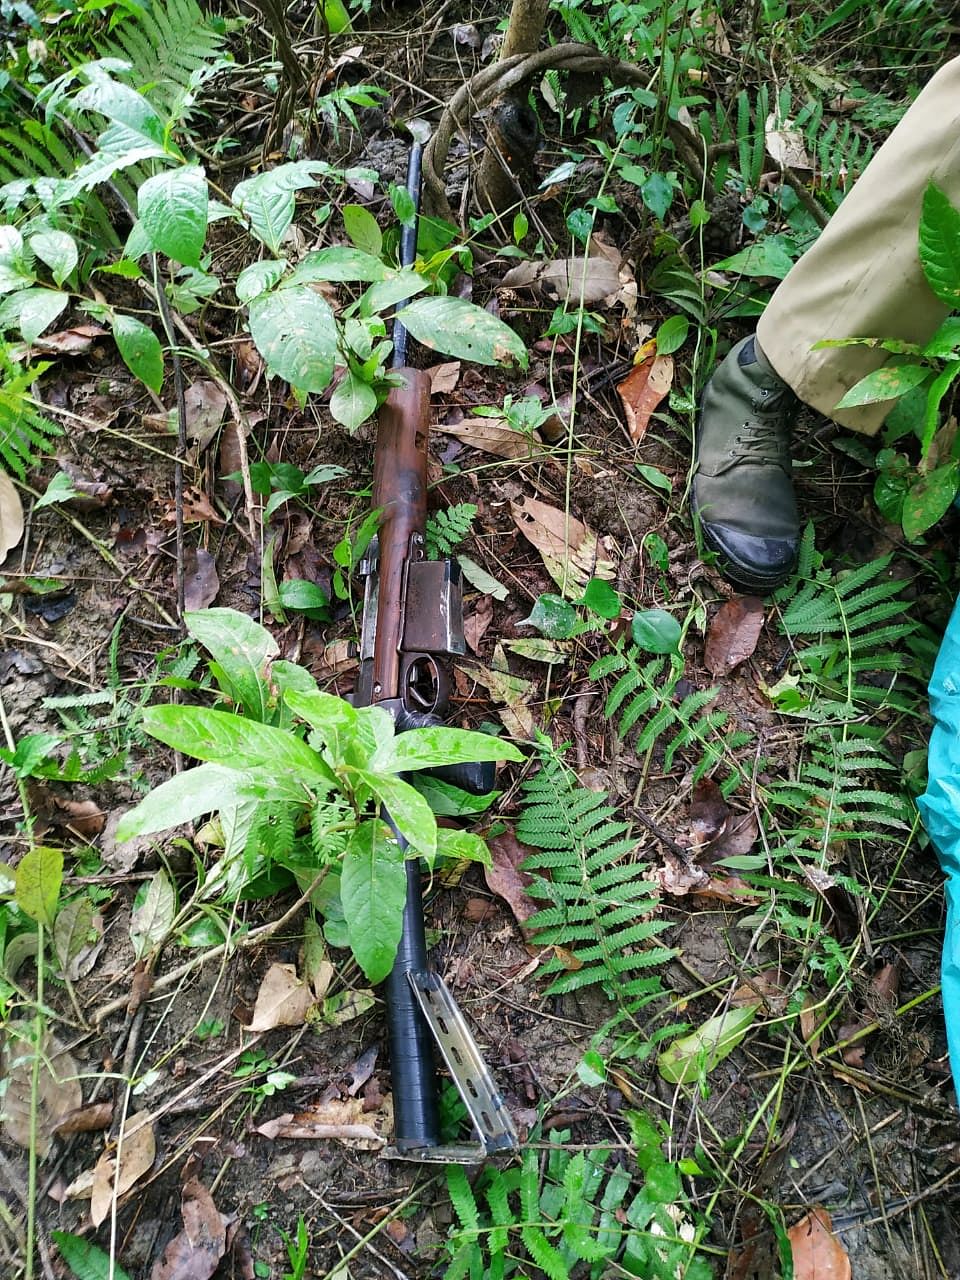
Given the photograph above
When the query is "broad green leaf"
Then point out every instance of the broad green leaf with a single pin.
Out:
(228, 739)
(363, 229)
(72, 930)
(58, 251)
(31, 750)
(38, 879)
(946, 341)
(154, 911)
(333, 719)
(940, 245)
(373, 889)
(32, 311)
(478, 577)
(655, 477)
(85, 1259)
(353, 401)
(59, 489)
(14, 269)
(600, 598)
(656, 631)
(173, 212)
(334, 16)
(592, 1070)
(408, 810)
(140, 350)
(937, 390)
(887, 383)
(340, 262)
(296, 334)
(929, 499)
(657, 193)
(684, 1061)
(459, 328)
(449, 801)
(662, 1182)
(438, 745)
(258, 278)
(241, 649)
(763, 258)
(391, 291)
(538, 649)
(552, 616)
(185, 796)
(268, 200)
(299, 594)
(672, 334)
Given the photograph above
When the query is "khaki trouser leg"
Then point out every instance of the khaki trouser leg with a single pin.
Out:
(862, 278)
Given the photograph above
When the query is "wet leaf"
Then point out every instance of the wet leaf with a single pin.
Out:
(733, 634)
(38, 879)
(571, 551)
(173, 207)
(656, 631)
(685, 1060)
(928, 499)
(884, 384)
(817, 1253)
(296, 334)
(343, 1119)
(59, 1093)
(462, 329)
(505, 878)
(552, 616)
(11, 515)
(140, 350)
(642, 390)
(154, 909)
(77, 938)
(282, 1001)
(115, 1173)
(195, 1253)
(200, 579)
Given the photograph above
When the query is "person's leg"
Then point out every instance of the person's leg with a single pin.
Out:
(862, 278)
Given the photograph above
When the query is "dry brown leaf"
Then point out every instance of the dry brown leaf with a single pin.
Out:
(67, 342)
(342, 1119)
(88, 494)
(808, 1024)
(205, 406)
(678, 877)
(492, 435)
(785, 144)
(90, 1119)
(444, 377)
(733, 634)
(133, 1158)
(475, 626)
(362, 1070)
(510, 692)
(728, 889)
(195, 1253)
(282, 1001)
(587, 280)
(504, 877)
(642, 390)
(200, 579)
(571, 551)
(768, 986)
(11, 515)
(817, 1253)
(59, 1093)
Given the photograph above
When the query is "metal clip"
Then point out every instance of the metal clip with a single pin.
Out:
(470, 1073)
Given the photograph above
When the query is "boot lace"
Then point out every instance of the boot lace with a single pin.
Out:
(764, 442)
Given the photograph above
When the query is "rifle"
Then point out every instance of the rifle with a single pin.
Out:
(412, 619)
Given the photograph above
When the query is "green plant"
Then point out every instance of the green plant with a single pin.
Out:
(916, 494)
(86, 1260)
(447, 528)
(576, 1215)
(254, 1062)
(298, 777)
(645, 695)
(298, 1250)
(25, 434)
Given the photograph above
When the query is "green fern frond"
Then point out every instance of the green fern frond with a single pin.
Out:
(171, 46)
(597, 903)
(25, 435)
(447, 528)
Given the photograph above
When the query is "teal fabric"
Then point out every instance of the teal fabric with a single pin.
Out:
(940, 810)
